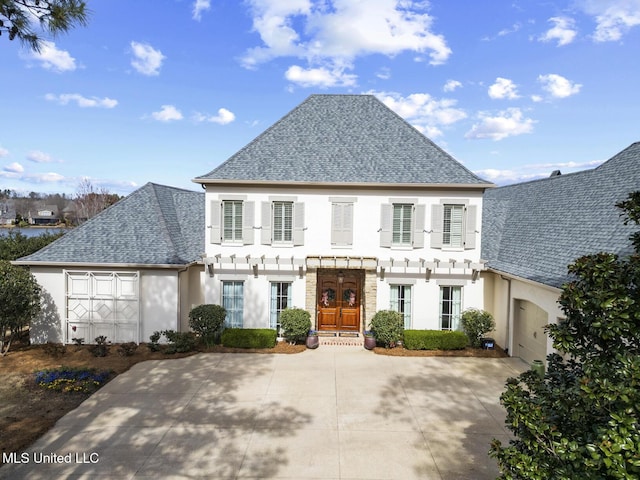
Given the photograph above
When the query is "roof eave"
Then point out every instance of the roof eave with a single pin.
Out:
(313, 184)
(70, 265)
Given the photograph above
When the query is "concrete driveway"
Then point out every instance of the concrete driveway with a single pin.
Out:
(332, 413)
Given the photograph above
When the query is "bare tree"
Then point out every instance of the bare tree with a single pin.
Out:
(90, 201)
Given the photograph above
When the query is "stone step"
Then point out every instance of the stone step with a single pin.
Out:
(341, 338)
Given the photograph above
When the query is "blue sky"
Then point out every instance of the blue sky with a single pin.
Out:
(165, 91)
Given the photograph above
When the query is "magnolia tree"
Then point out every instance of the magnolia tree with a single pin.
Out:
(20, 302)
(582, 420)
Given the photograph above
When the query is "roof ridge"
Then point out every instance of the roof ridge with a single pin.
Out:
(167, 208)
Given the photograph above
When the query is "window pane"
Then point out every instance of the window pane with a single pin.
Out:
(280, 299)
(401, 302)
(282, 221)
(401, 234)
(232, 221)
(450, 307)
(232, 301)
(453, 225)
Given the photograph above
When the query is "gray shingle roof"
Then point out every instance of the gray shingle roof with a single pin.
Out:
(342, 139)
(534, 230)
(155, 225)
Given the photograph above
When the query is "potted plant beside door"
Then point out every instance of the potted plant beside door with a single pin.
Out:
(312, 339)
(369, 340)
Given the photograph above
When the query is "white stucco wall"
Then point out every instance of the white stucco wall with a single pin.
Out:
(158, 302)
(366, 223)
(366, 243)
(506, 291)
(49, 326)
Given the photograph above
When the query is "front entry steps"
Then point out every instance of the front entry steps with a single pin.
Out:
(354, 339)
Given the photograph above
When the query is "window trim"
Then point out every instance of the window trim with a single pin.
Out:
(407, 316)
(229, 322)
(454, 321)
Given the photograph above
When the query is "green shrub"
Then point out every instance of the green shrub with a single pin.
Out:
(101, 348)
(388, 327)
(179, 342)
(127, 349)
(207, 322)
(249, 337)
(154, 341)
(434, 340)
(475, 324)
(296, 324)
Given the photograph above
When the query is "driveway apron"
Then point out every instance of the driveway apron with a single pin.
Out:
(332, 413)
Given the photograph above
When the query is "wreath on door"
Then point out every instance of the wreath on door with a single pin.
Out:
(328, 295)
(349, 297)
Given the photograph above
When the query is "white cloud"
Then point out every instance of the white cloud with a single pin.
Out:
(423, 111)
(14, 167)
(146, 59)
(558, 86)
(505, 177)
(528, 172)
(536, 98)
(508, 123)
(167, 113)
(49, 177)
(451, 85)
(52, 58)
(503, 88)
(65, 98)
(4, 152)
(223, 117)
(563, 31)
(319, 77)
(384, 73)
(338, 31)
(37, 156)
(614, 18)
(200, 6)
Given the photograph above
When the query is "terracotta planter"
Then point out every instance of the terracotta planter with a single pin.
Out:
(313, 341)
(369, 342)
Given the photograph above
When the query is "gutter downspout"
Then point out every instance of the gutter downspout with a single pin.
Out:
(508, 329)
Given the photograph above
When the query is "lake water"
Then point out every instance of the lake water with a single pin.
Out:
(32, 231)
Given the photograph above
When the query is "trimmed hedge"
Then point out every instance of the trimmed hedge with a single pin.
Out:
(435, 340)
(249, 338)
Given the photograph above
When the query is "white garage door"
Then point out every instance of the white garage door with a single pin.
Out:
(102, 303)
(529, 338)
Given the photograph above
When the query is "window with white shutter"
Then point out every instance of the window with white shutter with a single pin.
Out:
(341, 224)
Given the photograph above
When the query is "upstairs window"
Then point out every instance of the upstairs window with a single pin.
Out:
(402, 224)
(342, 223)
(282, 222)
(453, 225)
(232, 221)
(452, 231)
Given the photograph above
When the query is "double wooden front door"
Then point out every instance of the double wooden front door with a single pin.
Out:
(338, 302)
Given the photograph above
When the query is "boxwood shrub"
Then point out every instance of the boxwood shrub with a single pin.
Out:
(387, 326)
(249, 338)
(296, 323)
(434, 340)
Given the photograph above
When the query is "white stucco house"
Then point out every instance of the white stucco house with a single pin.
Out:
(341, 208)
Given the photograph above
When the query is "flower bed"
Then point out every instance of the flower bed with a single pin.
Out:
(69, 379)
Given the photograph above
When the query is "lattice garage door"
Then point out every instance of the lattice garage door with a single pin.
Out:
(102, 303)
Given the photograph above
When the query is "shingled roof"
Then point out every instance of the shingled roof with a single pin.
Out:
(342, 139)
(533, 230)
(155, 225)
